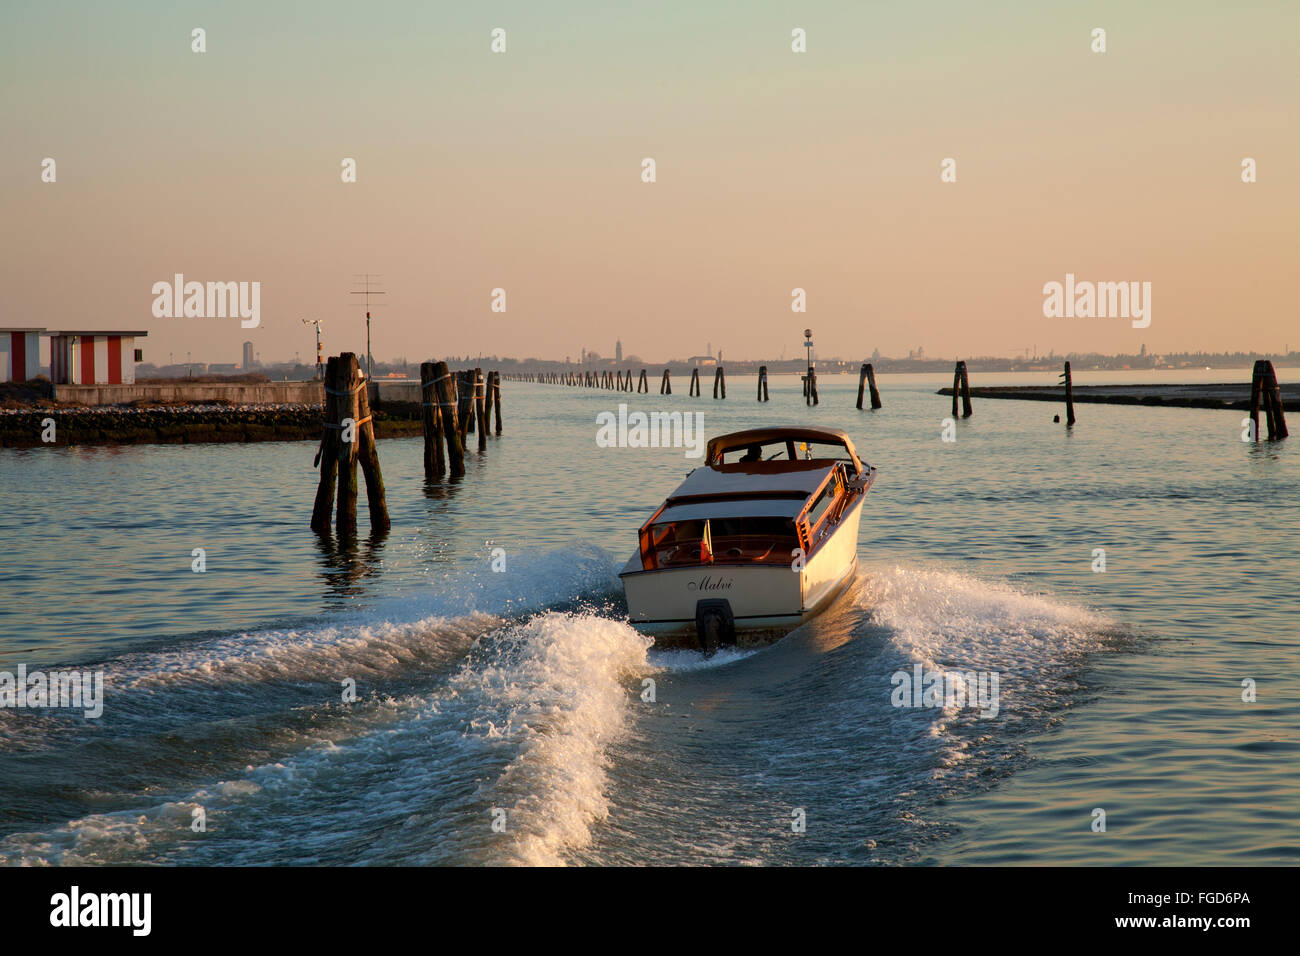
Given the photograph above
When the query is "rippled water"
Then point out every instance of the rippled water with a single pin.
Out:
(523, 691)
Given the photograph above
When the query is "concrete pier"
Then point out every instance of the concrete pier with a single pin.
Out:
(1234, 395)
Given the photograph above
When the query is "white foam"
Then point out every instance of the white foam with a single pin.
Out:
(395, 637)
(555, 694)
(954, 623)
(321, 653)
(101, 838)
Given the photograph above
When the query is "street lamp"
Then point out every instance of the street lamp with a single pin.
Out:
(810, 380)
(319, 364)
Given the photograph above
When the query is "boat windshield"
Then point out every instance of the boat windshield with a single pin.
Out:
(742, 540)
(784, 450)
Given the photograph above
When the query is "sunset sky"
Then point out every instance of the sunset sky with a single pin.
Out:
(775, 170)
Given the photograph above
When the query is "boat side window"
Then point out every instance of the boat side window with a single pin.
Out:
(823, 502)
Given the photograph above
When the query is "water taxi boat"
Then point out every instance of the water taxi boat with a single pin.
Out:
(758, 540)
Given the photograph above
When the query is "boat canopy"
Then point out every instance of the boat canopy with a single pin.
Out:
(761, 479)
(736, 508)
(789, 435)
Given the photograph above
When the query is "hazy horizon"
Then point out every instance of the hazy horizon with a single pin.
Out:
(775, 170)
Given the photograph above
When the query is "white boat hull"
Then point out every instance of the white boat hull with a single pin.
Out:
(662, 602)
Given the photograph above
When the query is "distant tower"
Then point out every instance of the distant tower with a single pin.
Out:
(1144, 349)
(248, 355)
(875, 355)
(618, 351)
(584, 358)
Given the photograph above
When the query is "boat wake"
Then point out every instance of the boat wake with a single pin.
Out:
(954, 626)
(506, 721)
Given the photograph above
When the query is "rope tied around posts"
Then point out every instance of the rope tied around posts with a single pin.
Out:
(339, 393)
(347, 392)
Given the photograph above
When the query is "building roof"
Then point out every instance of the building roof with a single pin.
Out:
(138, 334)
(22, 328)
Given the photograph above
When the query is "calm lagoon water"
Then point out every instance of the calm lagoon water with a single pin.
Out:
(522, 690)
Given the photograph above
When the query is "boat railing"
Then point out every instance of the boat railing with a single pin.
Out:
(812, 532)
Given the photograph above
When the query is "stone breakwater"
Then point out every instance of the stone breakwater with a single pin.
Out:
(183, 424)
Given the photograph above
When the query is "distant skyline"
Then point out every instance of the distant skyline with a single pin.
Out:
(522, 171)
(595, 360)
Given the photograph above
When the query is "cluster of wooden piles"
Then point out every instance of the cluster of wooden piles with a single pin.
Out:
(453, 405)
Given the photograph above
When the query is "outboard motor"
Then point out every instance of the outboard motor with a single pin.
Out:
(715, 625)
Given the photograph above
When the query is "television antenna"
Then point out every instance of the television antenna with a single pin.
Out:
(365, 278)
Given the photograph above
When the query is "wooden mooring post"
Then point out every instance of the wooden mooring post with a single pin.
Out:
(348, 438)
(961, 385)
(327, 456)
(496, 398)
(435, 461)
(480, 413)
(666, 386)
(762, 383)
(1069, 396)
(368, 456)
(465, 402)
(694, 388)
(810, 386)
(720, 383)
(345, 518)
(1264, 391)
(643, 385)
(444, 386)
(867, 377)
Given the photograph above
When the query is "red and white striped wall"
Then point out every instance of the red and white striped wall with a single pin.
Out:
(20, 354)
(92, 358)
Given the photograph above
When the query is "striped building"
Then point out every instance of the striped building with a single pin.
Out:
(93, 358)
(20, 354)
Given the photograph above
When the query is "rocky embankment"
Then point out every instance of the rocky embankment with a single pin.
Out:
(28, 426)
